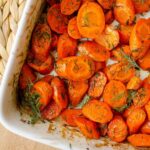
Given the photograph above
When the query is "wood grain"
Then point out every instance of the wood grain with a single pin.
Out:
(10, 141)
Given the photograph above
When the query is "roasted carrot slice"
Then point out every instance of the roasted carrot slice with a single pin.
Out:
(142, 97)
(109, 18)
(68, 7)
(128, 111)
(52, 2)
(47, 78)
(146, 127)
(66, 46)
(76, 95)
(141, 140)
(97, 84)
(135, 120)
(99, 66)
(26, 77)
(45, 92)
(117, 129)
(54, 41)
(84, 1)
(124, 33)
(115, 94)
(89, 27)
(88, 128)
(59, 92)
(94, 50)
(106, 4)
(124, 11)
(109, 38)
(69, 116)
(52, 111)
(119, 71)
(146, 82)
(41, 40)
(57, 21)
(147, 108)
(73, 29)
(134, 83)
(97, 111)
(80, 68)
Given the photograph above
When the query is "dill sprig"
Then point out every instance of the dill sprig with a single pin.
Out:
(84, 101)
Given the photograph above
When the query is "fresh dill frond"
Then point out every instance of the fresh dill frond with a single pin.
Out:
(84, 101)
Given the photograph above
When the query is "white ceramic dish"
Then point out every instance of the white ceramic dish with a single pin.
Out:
(10, 116)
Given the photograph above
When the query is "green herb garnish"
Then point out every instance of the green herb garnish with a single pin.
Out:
(84, 101)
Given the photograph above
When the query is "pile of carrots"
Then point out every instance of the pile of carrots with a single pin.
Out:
(76, 38)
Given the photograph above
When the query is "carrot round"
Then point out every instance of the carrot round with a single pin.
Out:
(45, 92)
(47, 78)
(97, 111)
(54, 41)
(26, 77)
(97, 84)
(73, 29)
(68, 7)
(99, 66)
(88, 128)
(59, 92)
(141, 140)
(117, 129)
(109, 38)
(52, 111)
(109, 18)
(69, 116)
(146, 127)
(89, 27)
(135, 120)
(106, 4)
(94, 50)
(41, 40)
(124, 11)
(76, 95)
(57, 21)
(147, 109)
(146, 82)
(128, 111)
(115, 94)
(119, 71)
(66, 46)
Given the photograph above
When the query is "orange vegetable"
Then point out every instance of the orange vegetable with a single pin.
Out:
(146, 82)
(41, 40)
(115, 94)
(59, 92)
(135, 120)
(97, 111)
(52, 2)
(124, 11)
(84, 1)
(45, 92)
(146, 127)
(141, 140)
(26, 77)
(119, 71)
(57, 21)
(117, 129)
(99, 66)
(68, 7)
(73, 29)
(128, 111)
(89, 27)
(109, 38)
(124, 33)
(94, 50)
(47, 78)
(134, 83)
(88, 128)
(109, 18)
(76, 95)
(106, 4)
(69, 116)
(66, 46)
(97, 84)
(147, 109)
(54, 41)
(52, 111)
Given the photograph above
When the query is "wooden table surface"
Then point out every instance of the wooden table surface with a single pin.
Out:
(10, 141)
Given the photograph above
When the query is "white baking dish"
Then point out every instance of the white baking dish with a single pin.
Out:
(10, 116)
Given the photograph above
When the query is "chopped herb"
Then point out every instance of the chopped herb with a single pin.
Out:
(84, 101)
(118, 96)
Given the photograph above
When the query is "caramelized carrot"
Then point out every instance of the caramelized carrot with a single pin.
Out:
(99, 66)
(57, 21)
(115, 94)
(109, 38)
(146, 82)
(68, 7)
(109, 18)
(76, 95)
(69, 116)
(146, 127)
(84, 1)
(89, 27)
(128, 111)
(59, 92)
(124, 11)
(106, 4)
(97, 111)
(117, 129)
(54, 41)
(135, 120)
(147, 109)
(88, 128)
(47, 78)
(26, 76)
(97, 84)
(141, 140)
(52, 2)
(73, 29)
(66, 46)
